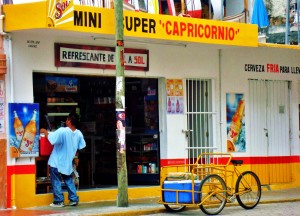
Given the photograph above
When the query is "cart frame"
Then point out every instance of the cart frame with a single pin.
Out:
(216, 187)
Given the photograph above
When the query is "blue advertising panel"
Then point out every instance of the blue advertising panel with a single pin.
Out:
(23, 129)
(61, 84)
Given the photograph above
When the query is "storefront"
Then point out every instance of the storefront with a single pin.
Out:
(181, 95)
(92, 97)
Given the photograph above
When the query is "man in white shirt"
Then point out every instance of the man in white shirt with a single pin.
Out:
(66, 141)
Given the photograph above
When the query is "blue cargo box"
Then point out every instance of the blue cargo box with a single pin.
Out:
(183, 196)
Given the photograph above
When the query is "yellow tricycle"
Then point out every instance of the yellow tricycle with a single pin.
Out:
(209, 183)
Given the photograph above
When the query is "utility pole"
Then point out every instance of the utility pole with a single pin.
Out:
(122, 199)
(298, 5)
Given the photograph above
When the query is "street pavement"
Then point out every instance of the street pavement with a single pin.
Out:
(136, 206)
(271, 209)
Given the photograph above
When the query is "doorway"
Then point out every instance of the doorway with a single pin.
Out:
(269, 103)
(199, 118)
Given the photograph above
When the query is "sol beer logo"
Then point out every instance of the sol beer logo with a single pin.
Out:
(58, 13)
(60, 8)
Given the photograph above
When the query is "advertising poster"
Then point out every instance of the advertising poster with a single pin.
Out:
(175, 102)
(178, 87)
(235, 113)
(170, 87)
(61, 84)
(23, 129)
(121, 132)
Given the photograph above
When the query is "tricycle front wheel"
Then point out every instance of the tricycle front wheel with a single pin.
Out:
(174, 207)
(248, 190)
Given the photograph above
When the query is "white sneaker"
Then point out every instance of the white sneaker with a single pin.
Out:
(57, 205)
(71, 203)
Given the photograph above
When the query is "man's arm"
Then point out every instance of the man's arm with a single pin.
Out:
(44, 131)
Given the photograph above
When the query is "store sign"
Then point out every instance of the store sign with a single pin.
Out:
(272, 68)
(141, 25)
(86, 56)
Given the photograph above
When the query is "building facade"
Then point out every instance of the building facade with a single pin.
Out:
(187, 82)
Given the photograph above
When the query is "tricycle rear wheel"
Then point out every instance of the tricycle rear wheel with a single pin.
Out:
(174, 207)
(214, 194)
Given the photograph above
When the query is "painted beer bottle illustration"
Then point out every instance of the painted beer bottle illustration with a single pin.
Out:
(235, 126)
(18, 127)
(177, 106)
(28, 138)
(169, 105)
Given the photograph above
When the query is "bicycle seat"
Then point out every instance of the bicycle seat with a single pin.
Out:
(236, 162)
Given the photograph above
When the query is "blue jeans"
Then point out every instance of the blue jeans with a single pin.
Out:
(55, 178)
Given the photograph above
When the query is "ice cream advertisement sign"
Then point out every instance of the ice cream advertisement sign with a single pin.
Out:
(23, 129)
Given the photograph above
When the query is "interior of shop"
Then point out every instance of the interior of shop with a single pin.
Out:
(93, 98)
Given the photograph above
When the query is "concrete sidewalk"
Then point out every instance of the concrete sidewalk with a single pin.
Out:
(137, 206)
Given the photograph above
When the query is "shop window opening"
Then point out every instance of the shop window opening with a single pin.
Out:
(93, 99)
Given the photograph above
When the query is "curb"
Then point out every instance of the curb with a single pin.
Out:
(280, 201)
(157, 210)
(134, 212)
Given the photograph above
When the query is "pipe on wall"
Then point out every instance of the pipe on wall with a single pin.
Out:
(220, 97)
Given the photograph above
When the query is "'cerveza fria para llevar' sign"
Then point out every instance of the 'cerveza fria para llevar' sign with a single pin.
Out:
(272, 68)
(72, 55)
